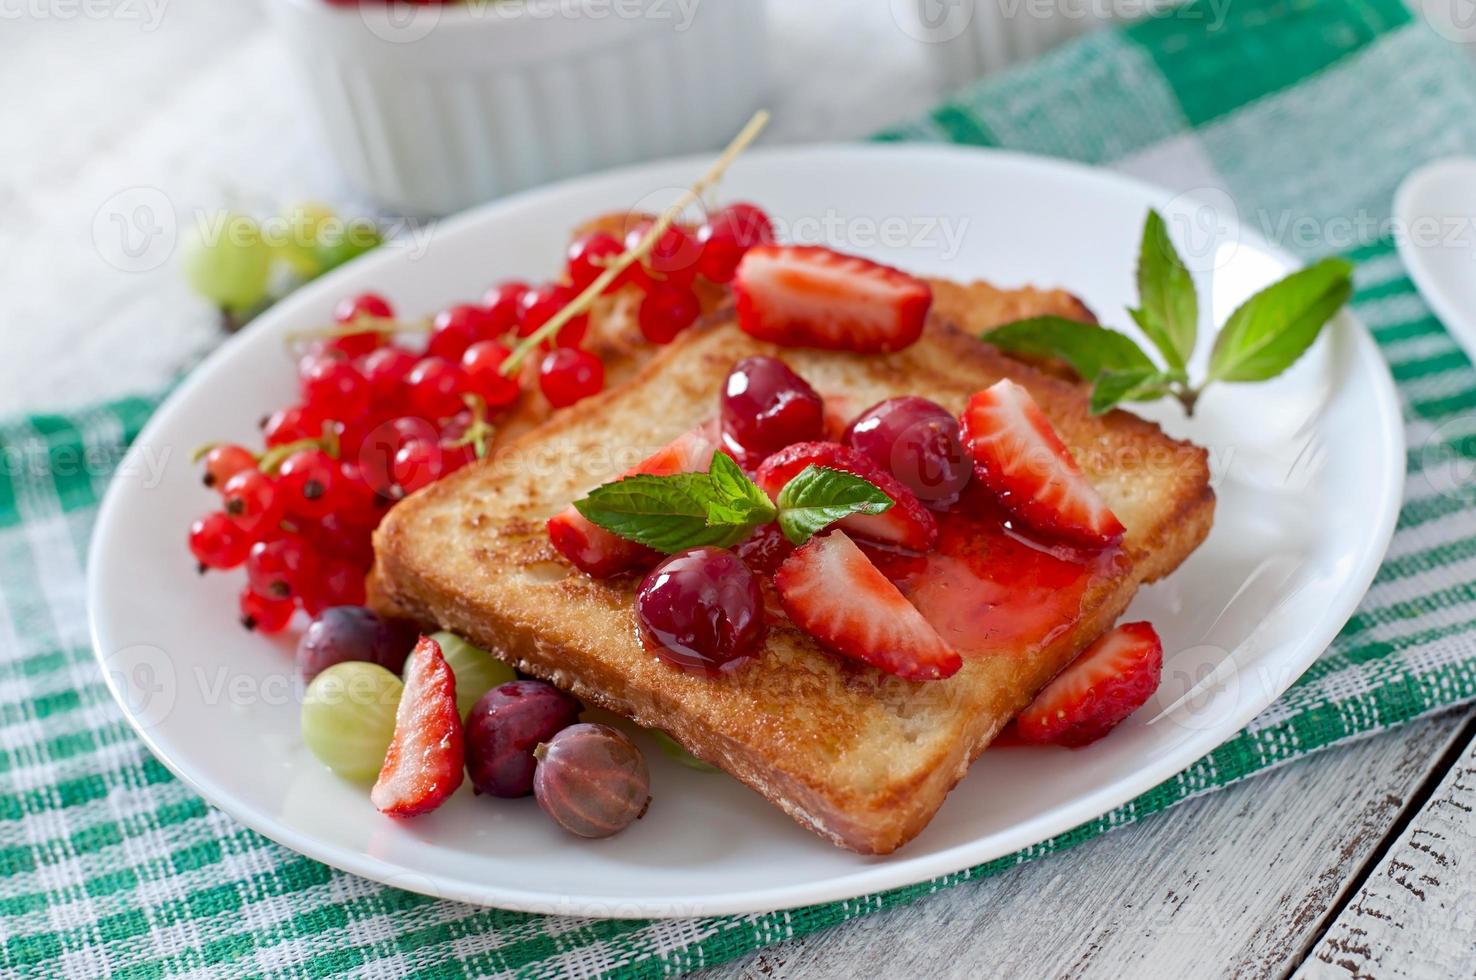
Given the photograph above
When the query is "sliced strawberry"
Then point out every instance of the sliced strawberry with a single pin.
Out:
(831, 590)
(427, 756)
(806, 296)
(597, 552)
(592, 549)
(840, 411)
(1110, 680)
(1019, 456)
(908, 524)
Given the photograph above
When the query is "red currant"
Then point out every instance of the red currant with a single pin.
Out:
(482, 363)
(354, 500)
(458, 328)
(280, 568)
(666, 311)
(306, 480)
(350, 309)
(589, 255)
(364, 304)
(539, 306)
(502, 302)
(673, 258)
(727, 235)
(340, 583)
(376, 454)
(569, 374)
(335, 389)
(417, 464)
(339, 538)
(385, 371)
(436, 386)
(252, 501)
(291, 424)
(216, 541)
(265, 615)
(225, 461)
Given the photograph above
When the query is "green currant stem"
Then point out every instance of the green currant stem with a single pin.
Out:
(273, 458)
(479, 433)
(625, 260)
(363, 323)
(201, 451)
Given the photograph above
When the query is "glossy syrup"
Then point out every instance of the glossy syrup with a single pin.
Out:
(989, 589)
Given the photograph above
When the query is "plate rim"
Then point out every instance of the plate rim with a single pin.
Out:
(877, 874)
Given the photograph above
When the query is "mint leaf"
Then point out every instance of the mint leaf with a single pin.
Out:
(818, 496)
(668, 513)
(681, 510)
(1268, 332)
(1114, 387)
(738, 499)
(1168, 313)
(1088, 348)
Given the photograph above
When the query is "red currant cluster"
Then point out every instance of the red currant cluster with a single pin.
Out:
(666, 275)
(376, 420)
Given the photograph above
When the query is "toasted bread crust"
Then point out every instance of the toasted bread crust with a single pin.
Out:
(862, 758)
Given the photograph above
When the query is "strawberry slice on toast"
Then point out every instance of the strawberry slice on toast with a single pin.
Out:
(807, 296)
(906, 524)
(427, 755)
(831, 590)
(1110, 680)
(597, 552)
(1019, 456)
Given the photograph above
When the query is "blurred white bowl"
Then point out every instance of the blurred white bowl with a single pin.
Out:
(432, 108)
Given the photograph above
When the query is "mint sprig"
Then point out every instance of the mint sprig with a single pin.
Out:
(818, 496)
(723, 506)
(1261, 339)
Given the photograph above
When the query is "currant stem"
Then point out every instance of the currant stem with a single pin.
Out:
(362, 324)
(273, 458)
(480, 432)
(630, 257)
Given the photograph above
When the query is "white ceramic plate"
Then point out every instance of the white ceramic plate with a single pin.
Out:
(1433, 211)
(1308, 469)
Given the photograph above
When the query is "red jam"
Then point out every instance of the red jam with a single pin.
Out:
(988, 589)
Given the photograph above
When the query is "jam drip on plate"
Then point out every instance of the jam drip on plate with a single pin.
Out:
(989, 589)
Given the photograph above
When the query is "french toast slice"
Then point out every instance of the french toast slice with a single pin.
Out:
(860, 757)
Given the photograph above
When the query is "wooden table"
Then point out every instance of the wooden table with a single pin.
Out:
(1358, 862)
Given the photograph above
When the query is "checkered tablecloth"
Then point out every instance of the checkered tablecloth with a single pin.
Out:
(1310, 110)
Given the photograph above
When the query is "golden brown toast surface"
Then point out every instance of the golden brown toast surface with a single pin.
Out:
(861, 757)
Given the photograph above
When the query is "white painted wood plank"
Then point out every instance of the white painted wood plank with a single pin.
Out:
(1238, 882)
(1415, 916)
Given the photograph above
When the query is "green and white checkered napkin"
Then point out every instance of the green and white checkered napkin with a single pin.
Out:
(1301, 109)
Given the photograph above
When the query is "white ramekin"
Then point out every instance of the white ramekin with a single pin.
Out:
(430, 109)
(972, 38)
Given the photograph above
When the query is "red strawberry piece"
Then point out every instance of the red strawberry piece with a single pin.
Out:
(831, 590)
(1110, 680)
(597, 552)
(427, 756)
(807, 296)
(907, 524)
(1018, 455)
